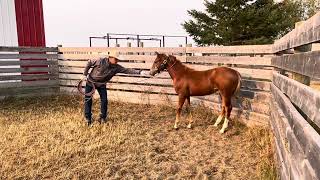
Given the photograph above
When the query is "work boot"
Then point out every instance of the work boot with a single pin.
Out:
(89, 122)
(102, 120)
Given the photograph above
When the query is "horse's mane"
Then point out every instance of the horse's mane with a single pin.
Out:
(179, 62)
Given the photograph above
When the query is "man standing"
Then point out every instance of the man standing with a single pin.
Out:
(103, 69)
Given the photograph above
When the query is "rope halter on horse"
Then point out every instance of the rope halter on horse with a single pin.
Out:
(164, 64)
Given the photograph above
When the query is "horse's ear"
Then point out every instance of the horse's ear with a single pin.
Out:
(156, 53)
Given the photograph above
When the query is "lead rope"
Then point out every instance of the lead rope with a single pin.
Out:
(91, 93)
(92, 84)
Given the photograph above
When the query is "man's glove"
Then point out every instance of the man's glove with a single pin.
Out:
(144, 73)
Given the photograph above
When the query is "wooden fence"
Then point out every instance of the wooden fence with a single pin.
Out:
(26, 71)
(295, 106)
(275, 88)
(253, 62)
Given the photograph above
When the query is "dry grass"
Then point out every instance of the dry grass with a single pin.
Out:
(47, 138)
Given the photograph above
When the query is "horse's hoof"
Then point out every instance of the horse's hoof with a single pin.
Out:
(189, 126)
(221, 131)
(215, 125)
(176, 127)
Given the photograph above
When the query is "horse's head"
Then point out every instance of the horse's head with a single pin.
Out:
(159, 64)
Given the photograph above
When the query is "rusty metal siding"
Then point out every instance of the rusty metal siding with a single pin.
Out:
(30, 23)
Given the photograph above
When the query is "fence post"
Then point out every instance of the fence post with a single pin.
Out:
(304, 48)
(129, 45)
(180, 54)
(188, 45)
(141, 45)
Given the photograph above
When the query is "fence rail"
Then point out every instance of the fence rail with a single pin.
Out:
(256, 71)
(308, 32)
(27, 71)
(275, 86)
(295, 106)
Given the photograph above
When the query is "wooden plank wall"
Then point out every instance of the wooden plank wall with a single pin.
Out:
(28, 71)
(253, 62)
(295, 105)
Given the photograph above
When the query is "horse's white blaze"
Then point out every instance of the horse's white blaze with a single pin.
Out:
(218, 120)
(225, 125)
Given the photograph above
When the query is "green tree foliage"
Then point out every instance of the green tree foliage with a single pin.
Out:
(310, 8)
(237, 22)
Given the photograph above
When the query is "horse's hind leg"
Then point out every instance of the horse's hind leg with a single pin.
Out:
(222, 113)
(220, 117)
(178, 113)
(228, 108)
(189, 113)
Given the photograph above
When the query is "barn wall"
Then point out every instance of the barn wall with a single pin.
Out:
(30, 23)
(8, 30)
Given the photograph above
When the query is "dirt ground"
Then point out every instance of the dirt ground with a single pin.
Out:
(47, 138)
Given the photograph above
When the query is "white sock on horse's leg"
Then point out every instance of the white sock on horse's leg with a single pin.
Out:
(190, 121)
(218, 121)
(225, 125)
(176, 122)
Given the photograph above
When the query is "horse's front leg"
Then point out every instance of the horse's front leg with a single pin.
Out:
(178, 113)
(188, 105)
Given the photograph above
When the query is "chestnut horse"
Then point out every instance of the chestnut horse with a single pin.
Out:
(189, 82)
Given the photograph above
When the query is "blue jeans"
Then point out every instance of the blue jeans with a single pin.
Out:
(102, 90)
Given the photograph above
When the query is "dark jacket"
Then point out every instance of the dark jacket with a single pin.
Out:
(102, 71)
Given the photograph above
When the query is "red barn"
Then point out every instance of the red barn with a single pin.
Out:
(21, 23)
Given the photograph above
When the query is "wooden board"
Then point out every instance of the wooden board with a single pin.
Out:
(145, 58)
(244, 49)
(252, 105)
(243, 60)
(284, 134)
(28, 90)
(246, 84)
(124, 79)
(289, 169)
(28, 77)
(28, 62)
(288, 141)
(28, 56)
(29, 84)
(26, 69)
(303, 63)
(121, 50)
(248, 73)
(307, 33)
(253, 73)
(128, 87)
(132, 97)
(251, 118)
(124, 64)
(307, 137)
(259, 96)
(33, 93)
(28, 49)
(306, 98)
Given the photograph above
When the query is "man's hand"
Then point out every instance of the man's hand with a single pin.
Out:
(144, 73)
(84, 77)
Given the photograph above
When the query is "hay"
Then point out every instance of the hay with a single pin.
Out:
(46, 137)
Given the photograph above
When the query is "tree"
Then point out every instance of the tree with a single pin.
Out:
(310, 7)
(237, 22)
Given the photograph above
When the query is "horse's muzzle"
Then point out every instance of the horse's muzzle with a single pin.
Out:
(153, 72)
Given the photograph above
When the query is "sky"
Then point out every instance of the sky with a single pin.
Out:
(72, 22)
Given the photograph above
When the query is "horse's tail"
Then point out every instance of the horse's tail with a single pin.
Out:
(237, 90)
